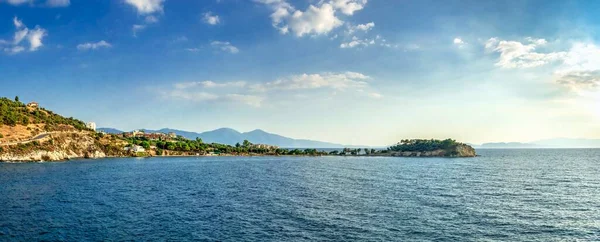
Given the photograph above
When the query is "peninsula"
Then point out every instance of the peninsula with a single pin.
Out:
(29, 132)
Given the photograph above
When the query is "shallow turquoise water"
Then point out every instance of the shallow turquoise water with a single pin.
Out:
(516, 195)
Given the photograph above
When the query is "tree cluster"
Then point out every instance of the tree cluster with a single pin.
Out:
(14, 112)
(422, 145)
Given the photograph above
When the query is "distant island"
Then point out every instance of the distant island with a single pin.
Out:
(29, 132)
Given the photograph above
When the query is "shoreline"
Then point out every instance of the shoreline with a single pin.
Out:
(253, 155)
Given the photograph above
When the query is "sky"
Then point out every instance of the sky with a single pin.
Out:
(356, 72)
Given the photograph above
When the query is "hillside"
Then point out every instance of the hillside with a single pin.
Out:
(109, 130)
(31, 133)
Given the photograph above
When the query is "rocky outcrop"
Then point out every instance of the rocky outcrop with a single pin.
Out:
(56, 148)
(461, 150)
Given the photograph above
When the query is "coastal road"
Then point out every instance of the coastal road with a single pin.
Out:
(35, 138)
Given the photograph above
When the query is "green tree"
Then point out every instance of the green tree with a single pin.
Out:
(16, 98)
(145, 144)
(247, 143)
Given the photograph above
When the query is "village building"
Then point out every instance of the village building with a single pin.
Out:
(33, 105)
(135, 149)
(91, 125)
(264, 146)
(137, 133)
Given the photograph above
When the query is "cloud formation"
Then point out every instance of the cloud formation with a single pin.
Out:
(361, 27)
(356, 42)
(47, 3)
(580, 80)
(209, 91)
(514, 54)
(337, 81)
(136, 28)
(580, 70)
(93, 46)
(145, 7)
(577, 69)
(317, 19)
(256, 94)
(33, 36)
(211, 18)
(225, 46)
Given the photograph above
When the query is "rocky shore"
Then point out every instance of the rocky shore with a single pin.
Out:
(58, 147)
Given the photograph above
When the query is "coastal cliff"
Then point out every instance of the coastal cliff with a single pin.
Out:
(61, 146)
(30, 133)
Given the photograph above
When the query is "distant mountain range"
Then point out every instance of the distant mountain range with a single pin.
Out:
(547, 143)
(231, 137)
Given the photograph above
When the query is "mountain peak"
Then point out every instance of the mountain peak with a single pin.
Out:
(257, 131)
(228, 130)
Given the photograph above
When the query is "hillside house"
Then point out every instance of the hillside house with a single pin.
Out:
(33, 105)
(135, 149)
(91, 125)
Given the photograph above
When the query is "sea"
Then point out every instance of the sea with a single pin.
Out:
(502, 195)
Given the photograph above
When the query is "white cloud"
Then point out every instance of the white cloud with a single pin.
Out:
(579, 80)
(577, 69)
(361, 27)
(193, 49)
(514, 54)
(375, 95)
(458, 41)
(348, 7)
(48, 3)
(538, 42)
(356, 42)
(93, 46)
(209, 84)
(251, 100)
(58, 3)
(313, 81)
(580, 70)
(256, 94)
(209, 91)
(137, 28)
(14, 49)
(144, 7)
(225, 46)
(18, 2)
(211, 19)
(33, 36)
(317, 19)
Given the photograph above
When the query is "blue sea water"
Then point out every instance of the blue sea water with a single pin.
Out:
(504, 195)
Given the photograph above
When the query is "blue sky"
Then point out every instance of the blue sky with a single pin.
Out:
(349, 71)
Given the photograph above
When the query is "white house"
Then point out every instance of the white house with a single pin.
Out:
(33, 105)
(91, 125)
(137, 133)
(135, 149)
